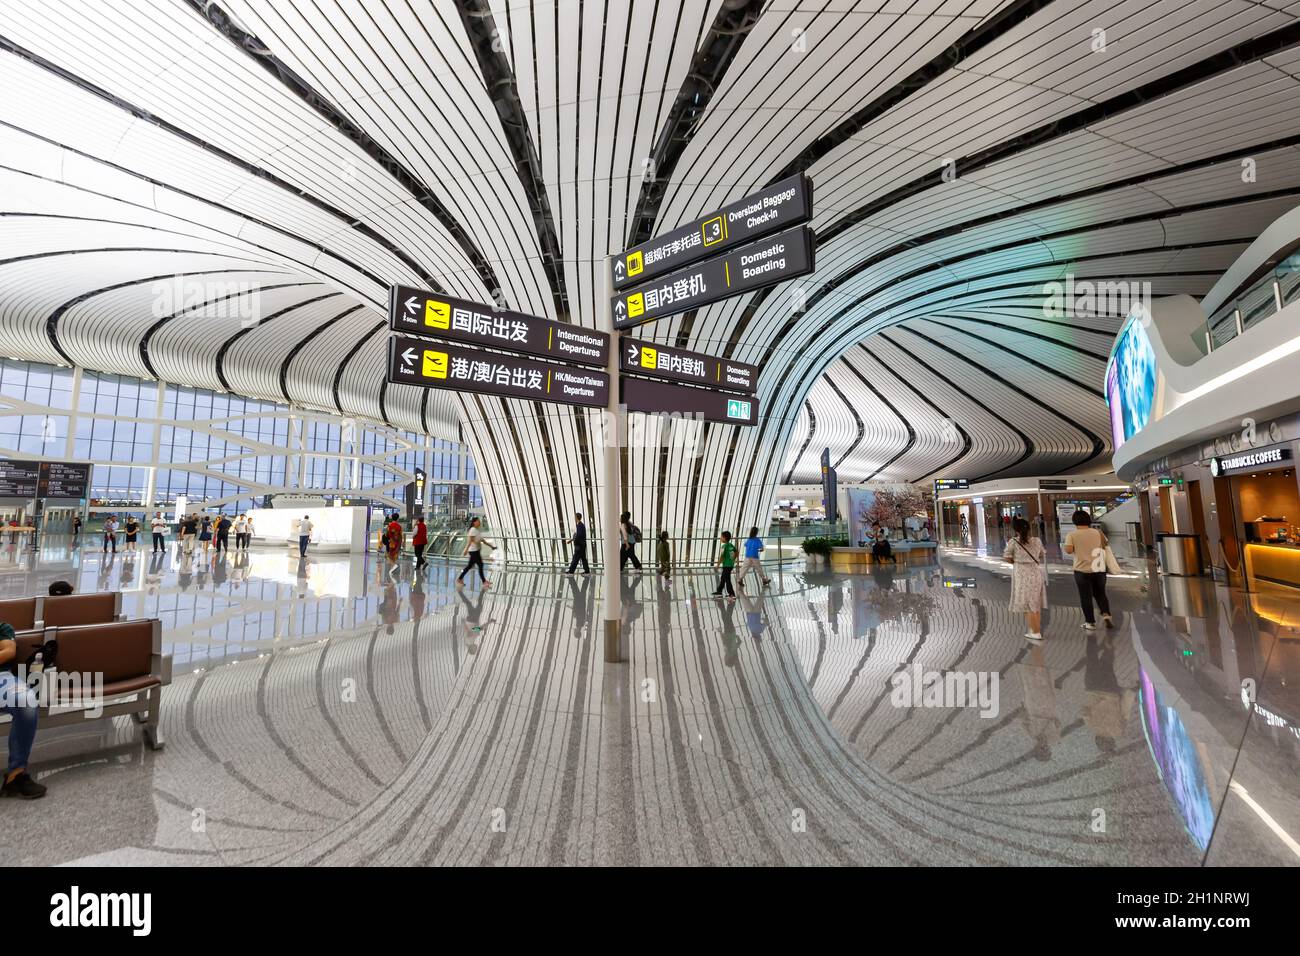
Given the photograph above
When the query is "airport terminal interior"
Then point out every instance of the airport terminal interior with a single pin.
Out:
(650, 432)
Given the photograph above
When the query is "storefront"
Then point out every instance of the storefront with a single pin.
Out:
(1261, 487)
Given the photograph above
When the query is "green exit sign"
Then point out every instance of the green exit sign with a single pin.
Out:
(1166, 481)
(737, 409)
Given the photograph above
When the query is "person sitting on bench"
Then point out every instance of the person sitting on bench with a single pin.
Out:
(880, 549)
(60, 589)
(19, 702)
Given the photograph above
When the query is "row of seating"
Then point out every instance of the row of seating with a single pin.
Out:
(94, 640)
(26, 614)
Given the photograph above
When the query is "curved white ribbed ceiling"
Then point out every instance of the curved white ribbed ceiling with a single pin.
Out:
(309, 154)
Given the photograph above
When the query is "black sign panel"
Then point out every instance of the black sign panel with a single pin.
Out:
(679, 365)
(642, 395)
(18, 479)
(779, 206)
(787, 255)
(1053, 484)
(1266, 458)
(434, 365)
(427, 313)
(61, 479)
(951, 484)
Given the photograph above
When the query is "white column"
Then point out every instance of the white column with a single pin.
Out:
(612, 435)
(70, 447)
(151, 486)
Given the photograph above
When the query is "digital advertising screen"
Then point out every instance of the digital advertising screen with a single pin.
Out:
(1132, 392)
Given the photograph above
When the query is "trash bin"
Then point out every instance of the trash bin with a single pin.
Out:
(1135, 531)
(1180, 554)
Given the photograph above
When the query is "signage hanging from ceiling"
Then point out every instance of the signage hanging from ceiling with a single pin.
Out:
(644, 395)
(1053, 484)
(418, 312)
(44, 479)
(63, 479)
(780, 206)
(787, 255)
(1257, 458)
(951, 484)
(434, 365)
(679, 365)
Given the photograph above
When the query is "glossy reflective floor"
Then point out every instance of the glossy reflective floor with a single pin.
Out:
(325, 712)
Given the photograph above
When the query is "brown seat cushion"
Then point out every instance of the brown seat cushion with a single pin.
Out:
(21, 613)
(73, 609)
(120, 651)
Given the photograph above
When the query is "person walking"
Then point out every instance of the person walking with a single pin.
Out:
(754, 548)
(132, 532)
(305, 528)
(727, 562)
(158, 526)
(189, 533)
(629, 536)
(223, 533)
(579, 542)
(76, 527)
(474, 542)
(396, 537)
(238, 525)
(205, 535)
(420, 541)
(664, 557)
(1088, 545)
(249, 531)
(110, 534)
(1028, 559)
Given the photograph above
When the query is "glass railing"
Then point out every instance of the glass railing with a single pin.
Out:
(1251, 306)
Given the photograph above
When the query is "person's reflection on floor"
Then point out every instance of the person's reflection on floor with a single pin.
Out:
(754, 616)
(416, 598)
(1110, 679)
(834, 604)
(156, 560)
(389, 607)
(730, 639)
(631, 607)
(1041, 722)
(184, 572)
(127, 576)
(579, 597)
(219, 570)
(472, 623)
(105, 570)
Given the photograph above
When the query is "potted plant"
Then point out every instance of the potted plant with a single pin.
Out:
(818, 550)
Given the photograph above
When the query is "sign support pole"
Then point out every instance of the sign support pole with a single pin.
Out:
(938, 518)
(611, 435)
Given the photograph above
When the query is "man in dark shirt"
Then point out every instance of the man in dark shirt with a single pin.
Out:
(223, 533)
(579, 542)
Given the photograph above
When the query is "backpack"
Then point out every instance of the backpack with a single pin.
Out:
(635, 533)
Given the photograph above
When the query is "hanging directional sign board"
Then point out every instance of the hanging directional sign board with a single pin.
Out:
(786, 255)
(18, 479)
(679, 365)
(63, 479)
(434, 365)
(643, 395)
(779, 206)
(418, 312)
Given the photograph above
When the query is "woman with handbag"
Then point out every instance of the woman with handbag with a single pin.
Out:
(1089, 547)
(1028, 560)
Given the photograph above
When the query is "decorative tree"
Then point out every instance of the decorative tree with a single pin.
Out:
(893, 505)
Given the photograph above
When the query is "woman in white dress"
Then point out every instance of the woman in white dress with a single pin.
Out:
(1028, 560)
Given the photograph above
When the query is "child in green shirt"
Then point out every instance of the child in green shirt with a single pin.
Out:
(664, 555)
(727, 561)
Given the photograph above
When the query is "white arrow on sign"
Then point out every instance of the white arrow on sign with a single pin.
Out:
(632, 352)
(618, 269)
(618, 309)
(409, 357)
(412, 304)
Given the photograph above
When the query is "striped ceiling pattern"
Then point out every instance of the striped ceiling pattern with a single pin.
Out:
(299, 157)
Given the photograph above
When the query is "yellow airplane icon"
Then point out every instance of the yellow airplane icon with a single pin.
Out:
(435, 364)
(437, 314)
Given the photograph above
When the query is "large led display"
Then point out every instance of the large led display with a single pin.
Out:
(1131, 381)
